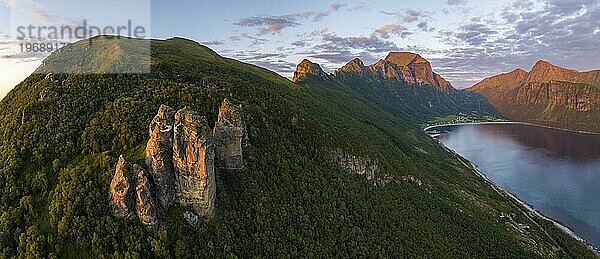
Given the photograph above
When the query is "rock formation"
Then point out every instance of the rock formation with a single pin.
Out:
(306, 68)
(181, 158)
(145, 205)
(193, 159)
(159, 153)
(121, 196)
(230, 135)
(355, 164)
(47, 95)
(191, 218)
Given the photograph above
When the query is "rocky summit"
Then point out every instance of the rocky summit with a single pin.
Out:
(193, 158)
(410, 68)
(182, 156)
(355, 66)
(159, 152)
(306, 68)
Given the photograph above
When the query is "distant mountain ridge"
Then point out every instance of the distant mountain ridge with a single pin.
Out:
(548, 95)
(402, 83)
(406, 67)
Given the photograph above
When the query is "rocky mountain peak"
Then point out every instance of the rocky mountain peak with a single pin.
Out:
(544, 72)
(306, 68)
(353, 66)
(405, 58)
(543, 64)
(410, 68)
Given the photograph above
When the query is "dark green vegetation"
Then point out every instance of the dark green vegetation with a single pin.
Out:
(58, 155)
(415, 103)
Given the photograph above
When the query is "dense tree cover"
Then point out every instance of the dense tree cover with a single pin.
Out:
(58, 155)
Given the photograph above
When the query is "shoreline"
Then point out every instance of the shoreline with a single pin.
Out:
(530, 208)
(524, 204)
(515, 122)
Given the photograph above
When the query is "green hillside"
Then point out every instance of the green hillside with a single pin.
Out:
(58, 154)
(416, 103)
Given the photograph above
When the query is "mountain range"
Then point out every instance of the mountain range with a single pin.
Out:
(330, 165)
(547, 95)
(403, 83)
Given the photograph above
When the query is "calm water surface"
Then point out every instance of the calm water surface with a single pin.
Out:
(556, 172)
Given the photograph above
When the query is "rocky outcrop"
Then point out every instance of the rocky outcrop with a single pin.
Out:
(145, 205)
(193, 159)
(306, 68)
(181, 158)
(159, 153)
(121, 196)
(191, 218)
(47, 95)
(361, 165)
(230, 135)
(384, 69)
(355, 164)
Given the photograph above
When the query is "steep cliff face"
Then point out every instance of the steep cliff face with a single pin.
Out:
(159, 152)
(193, 159)
(306, 68)
(384, 69)
(230, 135)
(410, 68)
(145, 205)
(121, 196)
(355, 164)
(557, 94)
(548, 95)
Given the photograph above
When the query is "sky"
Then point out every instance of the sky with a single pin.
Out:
(465, 40)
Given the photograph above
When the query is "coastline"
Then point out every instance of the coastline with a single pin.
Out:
(514, 122)
(524, 204)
